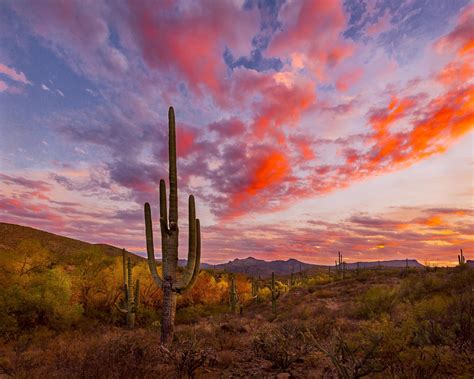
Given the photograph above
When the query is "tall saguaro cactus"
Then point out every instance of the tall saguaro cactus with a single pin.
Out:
(170, 283)
(131, 293)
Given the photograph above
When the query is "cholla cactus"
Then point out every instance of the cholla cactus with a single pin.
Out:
(233, 296)
(170, 283)
(131, 298)
(275, 293)
(461, 259)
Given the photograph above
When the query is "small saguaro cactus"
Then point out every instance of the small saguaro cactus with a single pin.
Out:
(461, 259)
(131, 298)
(233, 296)
(255, 289)
(341, 265)
(275, 293)
(170, 283)
(358, 267)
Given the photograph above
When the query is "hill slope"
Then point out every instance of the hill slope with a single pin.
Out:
(11, 235)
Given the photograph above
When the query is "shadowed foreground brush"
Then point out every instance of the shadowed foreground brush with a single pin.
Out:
(282, 345)
(187, 356)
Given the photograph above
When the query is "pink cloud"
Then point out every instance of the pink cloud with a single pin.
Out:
(349, 78)
(13, 74)
(3, 86)
(190, 42)
(313, 30)
(78, 32)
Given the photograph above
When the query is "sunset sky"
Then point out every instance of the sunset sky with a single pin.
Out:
(304, 127)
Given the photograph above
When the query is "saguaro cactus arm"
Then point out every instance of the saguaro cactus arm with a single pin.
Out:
(173, 216)
(150, 248)
(189, 271)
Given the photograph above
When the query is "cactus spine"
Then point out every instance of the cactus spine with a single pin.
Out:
(131, 298)
(275, 294)
(234, 299)
(170, 283)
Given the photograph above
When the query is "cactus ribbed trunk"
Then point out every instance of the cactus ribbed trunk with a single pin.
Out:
(275, 294)
(169, 312)
(131, 293)
(170, 283)
(233, 295)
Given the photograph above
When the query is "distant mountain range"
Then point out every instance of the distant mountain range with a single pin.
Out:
(255, 267)
(11, 235)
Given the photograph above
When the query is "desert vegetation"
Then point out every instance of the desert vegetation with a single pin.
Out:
(58, 317)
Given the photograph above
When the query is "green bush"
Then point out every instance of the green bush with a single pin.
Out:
(376, 301)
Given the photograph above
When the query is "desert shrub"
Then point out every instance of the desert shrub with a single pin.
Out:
(356, 356)
(376, 301)
(322, 321)
(207, 290)
(41, 298)
(192, 314)
(282, 345)
(320, 279)
(427, 362)
(188, 355)
(227, 358)
(418, 286)
(264, 293)
(126, 355)
(324, 293)
(98, 355)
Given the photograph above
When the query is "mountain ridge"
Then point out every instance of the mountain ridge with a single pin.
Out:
(12, 234)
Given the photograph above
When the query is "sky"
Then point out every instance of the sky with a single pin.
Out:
(304, 128)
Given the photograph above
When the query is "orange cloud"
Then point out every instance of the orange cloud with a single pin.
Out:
(270, 171)
(462, 36)
(456, 73)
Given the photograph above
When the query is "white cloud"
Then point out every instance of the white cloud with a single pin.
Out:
(60, 92)
(45, 87)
